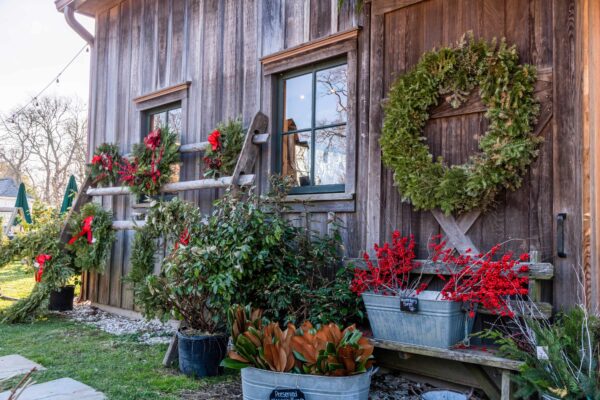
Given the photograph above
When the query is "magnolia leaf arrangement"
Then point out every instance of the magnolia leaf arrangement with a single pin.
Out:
(327, 350)
(507, 148)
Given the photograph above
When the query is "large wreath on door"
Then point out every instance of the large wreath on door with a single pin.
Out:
(507, 148)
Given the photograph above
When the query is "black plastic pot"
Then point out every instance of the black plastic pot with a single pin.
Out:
(200, 356)
(62, 299)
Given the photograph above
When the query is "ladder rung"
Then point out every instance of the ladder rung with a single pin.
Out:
(245, 180)
(127, 225)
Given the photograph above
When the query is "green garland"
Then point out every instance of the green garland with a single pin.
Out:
(152, 163)
(104, 168)
(226, 142)
(92, 256)
(173, 222)
(507, 148)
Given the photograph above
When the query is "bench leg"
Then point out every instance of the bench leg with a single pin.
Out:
(505, 389)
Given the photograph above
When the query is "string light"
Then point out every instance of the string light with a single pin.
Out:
(56, 79)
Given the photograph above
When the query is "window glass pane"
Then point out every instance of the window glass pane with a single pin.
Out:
(174, 120)
(297, 106)
(331, 96)
(158, 120)
(296, 157)
(330, 156)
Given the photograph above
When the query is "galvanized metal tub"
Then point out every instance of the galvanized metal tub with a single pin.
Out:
(437, 323)
(257, 384)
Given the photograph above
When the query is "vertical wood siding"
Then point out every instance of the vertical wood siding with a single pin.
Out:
(145, 45)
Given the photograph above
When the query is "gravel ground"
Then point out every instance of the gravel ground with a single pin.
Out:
(150, 332)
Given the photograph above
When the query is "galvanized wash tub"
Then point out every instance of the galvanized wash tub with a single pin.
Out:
(437, 323)
(257, 384)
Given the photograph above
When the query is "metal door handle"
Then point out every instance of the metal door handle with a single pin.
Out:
(560, 235)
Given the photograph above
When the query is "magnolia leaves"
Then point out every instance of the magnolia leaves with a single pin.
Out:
(507, 149)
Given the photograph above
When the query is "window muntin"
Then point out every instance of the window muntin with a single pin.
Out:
(313, 119)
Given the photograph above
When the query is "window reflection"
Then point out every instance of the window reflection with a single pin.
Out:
(331, 96)
(330, 156)
(296, 157)
(313, 128)
(172, 120)
(297, 103)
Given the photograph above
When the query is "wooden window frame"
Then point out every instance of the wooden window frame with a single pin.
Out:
(320, 51)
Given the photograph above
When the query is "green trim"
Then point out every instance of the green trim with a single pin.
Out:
(312, 69)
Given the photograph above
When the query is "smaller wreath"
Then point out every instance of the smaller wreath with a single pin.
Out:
(92, 238)
(104, 168)
(507, 149)
(225, 145)
(152, 163)
(175, 222)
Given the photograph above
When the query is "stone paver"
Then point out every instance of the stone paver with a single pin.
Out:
(60, 389)
(15, 364)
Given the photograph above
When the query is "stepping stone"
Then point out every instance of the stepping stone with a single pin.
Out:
(15, 365)
(60, 389)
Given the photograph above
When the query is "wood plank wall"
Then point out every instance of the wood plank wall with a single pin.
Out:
(145, 45)
(543, 32)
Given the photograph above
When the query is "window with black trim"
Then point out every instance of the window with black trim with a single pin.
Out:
(312, 127)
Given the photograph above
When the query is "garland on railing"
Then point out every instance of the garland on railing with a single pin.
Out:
(104, 168)
(507, 148)
(52, 264)
(92, 238)
(152, 162)
(226, 144)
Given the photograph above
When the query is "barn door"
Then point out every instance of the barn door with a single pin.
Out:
(401, 31)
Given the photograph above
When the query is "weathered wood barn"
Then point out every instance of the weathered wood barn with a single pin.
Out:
(320, 74)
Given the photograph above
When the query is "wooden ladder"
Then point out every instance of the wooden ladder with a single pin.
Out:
(242, 176)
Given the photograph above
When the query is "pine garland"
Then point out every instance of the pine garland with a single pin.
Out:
(104, 168)
(92, 251)
(226, 144)
(507, 148)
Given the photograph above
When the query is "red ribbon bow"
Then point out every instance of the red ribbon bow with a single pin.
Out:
(41, 260)
(152, 141)
(214, 140)
(86, 230)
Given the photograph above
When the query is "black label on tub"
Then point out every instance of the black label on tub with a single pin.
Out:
(409, 304)
(286, 394)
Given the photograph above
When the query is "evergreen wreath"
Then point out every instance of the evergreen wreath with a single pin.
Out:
(152, 162)
(225, 145)
(173, 222)
(92, 238)
(507, 148)
(104, 168)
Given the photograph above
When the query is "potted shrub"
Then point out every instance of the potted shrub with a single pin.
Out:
(325, 363)
(190, 287)
(401, 309)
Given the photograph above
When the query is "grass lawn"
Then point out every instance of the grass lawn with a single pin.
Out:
(16, 280)
(118, 366)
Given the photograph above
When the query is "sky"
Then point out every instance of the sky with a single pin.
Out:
(35, 45)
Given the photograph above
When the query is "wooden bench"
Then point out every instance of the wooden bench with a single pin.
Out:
(468, 367)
